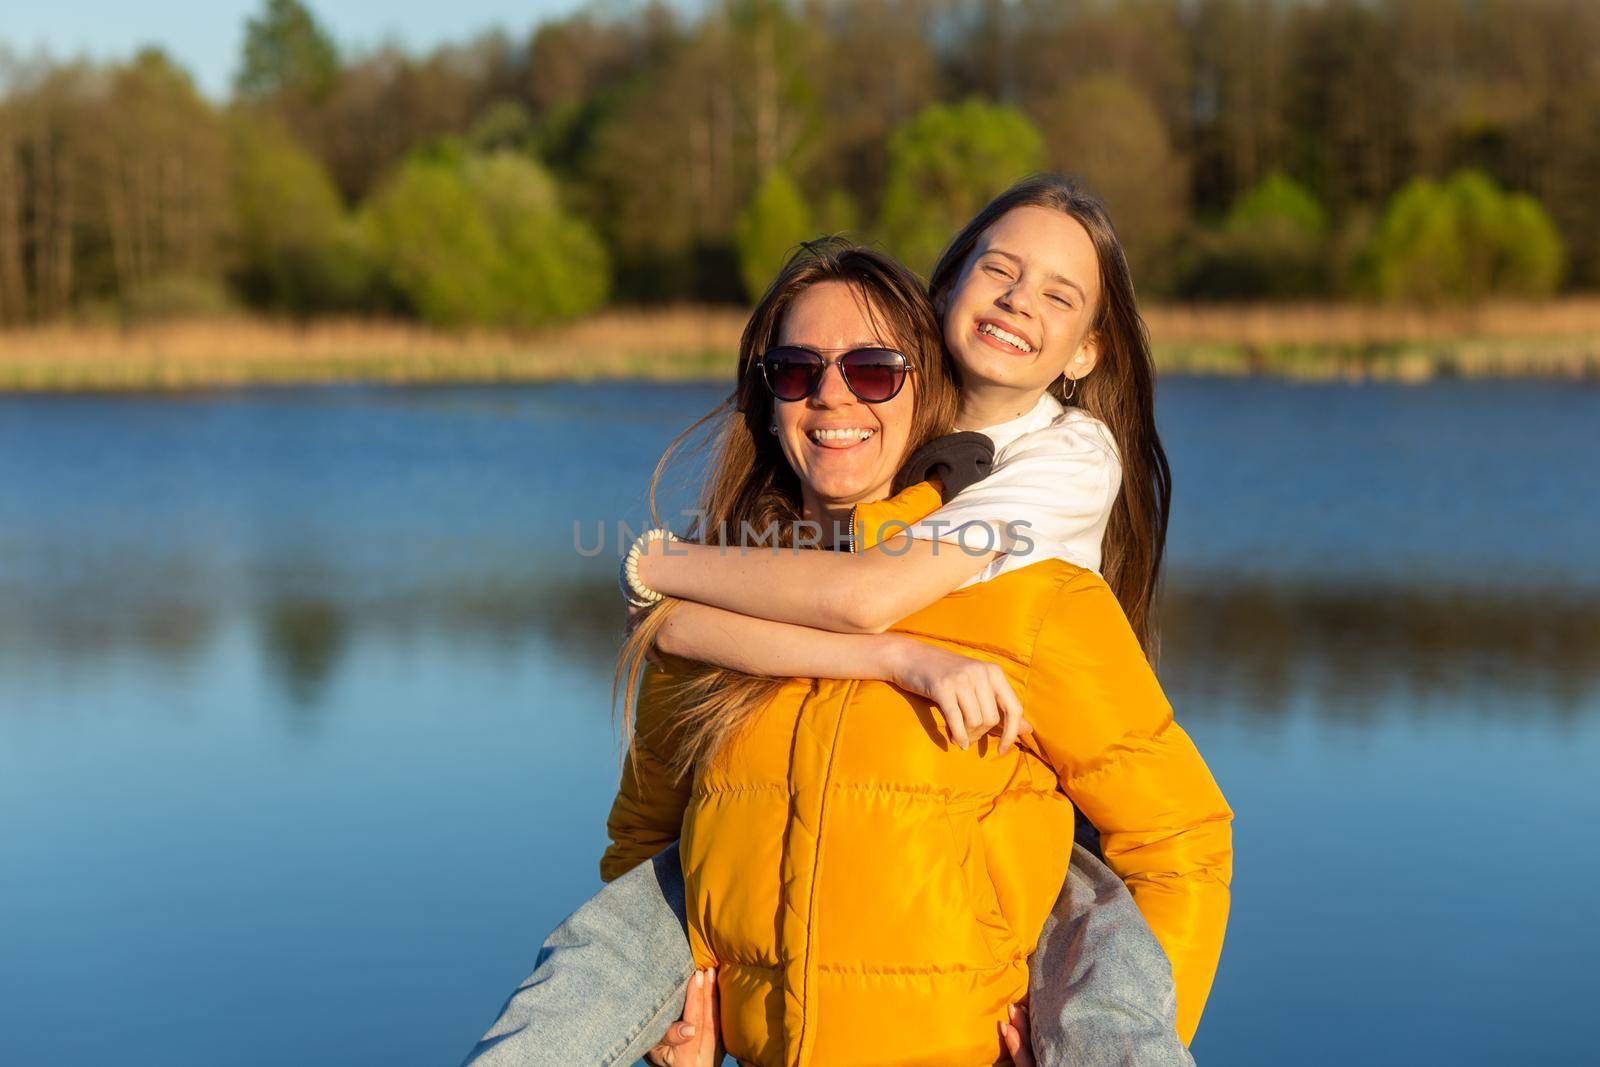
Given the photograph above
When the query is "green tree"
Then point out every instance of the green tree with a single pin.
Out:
(1273, 243)
(945, 164)
(774, 221)
(1107, 131)
(483, 240)
(1463, 239)
(155, 165)
(679, 154)
(286, 52)
(294, 246)
(551, 266)
(877, 71)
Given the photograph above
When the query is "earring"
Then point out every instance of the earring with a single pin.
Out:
(773, 428)
(1073, 392)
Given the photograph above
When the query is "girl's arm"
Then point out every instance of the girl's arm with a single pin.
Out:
(851, 593)
(1049, 495)
(1104, 724)
(973, 695)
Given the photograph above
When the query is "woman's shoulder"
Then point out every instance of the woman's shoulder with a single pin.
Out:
(1052, 582)
(1068, 590)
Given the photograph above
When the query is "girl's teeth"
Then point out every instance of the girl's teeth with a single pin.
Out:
(1009, 338)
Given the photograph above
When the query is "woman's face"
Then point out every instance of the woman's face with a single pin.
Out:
(1022, 310)
(844, 450)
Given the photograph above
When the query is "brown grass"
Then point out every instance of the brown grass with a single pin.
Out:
(1560, 338)
(1372, 324)
(1364, 341)
(684, 342)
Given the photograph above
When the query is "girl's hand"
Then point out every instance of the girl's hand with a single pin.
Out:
(1019, 1042)
(972, 694)
(693, 1040)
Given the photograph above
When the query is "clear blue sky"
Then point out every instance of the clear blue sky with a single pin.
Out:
(204, 35)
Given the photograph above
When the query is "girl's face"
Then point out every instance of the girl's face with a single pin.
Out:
(844, 450)
(1023, 309)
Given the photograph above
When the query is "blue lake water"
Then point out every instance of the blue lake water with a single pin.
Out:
(305, 735)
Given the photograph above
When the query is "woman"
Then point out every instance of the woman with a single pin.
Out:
(1042, 260)
(942, 869)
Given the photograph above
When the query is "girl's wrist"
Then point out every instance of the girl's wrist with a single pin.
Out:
(653, 572)
(892, 654)
(637, 581)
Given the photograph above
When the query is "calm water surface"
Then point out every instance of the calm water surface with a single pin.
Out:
(305, 738)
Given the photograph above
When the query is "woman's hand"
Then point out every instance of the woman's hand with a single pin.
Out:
(1018, 1039)
(693, 1040)
(972, 694)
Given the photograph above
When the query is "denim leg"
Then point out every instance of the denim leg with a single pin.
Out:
(608, 981)
(1101, 986)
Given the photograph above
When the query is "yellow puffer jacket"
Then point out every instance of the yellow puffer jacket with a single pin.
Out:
(870, 892)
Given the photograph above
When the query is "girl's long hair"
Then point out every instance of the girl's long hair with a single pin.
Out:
(751, 490)
(1120, 391)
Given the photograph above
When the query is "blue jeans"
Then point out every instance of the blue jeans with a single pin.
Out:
(613, 977)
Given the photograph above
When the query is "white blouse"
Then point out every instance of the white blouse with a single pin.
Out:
(1056, 474)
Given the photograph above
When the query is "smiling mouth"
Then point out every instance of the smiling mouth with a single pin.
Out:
(839, 438)
(1005, 337)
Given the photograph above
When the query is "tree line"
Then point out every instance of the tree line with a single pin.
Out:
(1422, 150)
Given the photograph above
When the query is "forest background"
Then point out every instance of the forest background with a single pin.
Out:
(1324, 187)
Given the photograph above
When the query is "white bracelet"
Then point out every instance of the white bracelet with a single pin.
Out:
(634, 591)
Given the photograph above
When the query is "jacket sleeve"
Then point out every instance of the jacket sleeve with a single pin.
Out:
(647, 814)
(1102, 721)
(881, 520)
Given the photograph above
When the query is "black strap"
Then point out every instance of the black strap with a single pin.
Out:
(957, 459)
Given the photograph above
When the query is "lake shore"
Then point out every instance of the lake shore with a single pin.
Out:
(1559, 339)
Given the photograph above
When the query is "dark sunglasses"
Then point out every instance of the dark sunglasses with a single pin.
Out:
(872, 374)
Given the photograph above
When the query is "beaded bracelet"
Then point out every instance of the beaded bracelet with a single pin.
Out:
(634, 591)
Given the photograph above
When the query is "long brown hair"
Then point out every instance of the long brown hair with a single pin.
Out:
(1120, 391)
(750, 487)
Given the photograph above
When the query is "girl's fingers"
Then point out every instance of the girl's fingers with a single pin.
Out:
(971, 709)
(1012, 709)
(985, 708)
(953, 717)
(971, 712)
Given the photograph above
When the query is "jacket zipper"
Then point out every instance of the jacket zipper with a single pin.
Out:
(850, 531)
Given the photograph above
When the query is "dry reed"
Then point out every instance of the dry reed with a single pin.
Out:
(1559, 338)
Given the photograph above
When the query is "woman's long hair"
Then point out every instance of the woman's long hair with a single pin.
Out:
(750, 488)
(1120, 391)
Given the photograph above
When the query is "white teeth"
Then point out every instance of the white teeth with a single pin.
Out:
(854, 433)
(1005, 335)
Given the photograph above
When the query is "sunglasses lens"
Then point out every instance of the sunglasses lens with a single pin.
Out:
(874, 374)
(792, 373)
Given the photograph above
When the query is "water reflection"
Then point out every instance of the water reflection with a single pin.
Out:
(1353, 651)
(302, 639)
(278, 667)
(1347, 652)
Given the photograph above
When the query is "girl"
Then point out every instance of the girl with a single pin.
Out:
(1034, 294)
